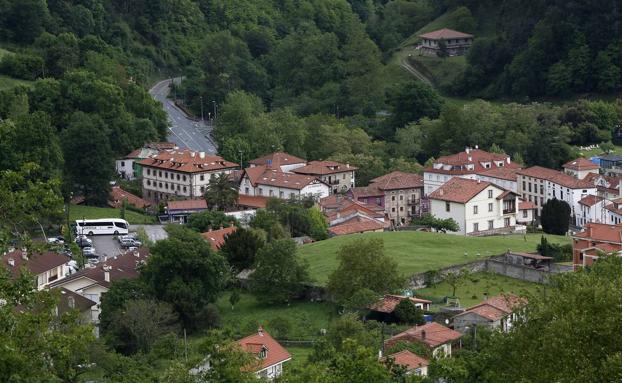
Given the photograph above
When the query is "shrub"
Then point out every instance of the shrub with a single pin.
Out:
(406, 312)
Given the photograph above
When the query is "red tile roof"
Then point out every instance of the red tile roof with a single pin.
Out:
(601, 232)
(387, 303)
(497, 307)
(459, 190)
(366, 191)
(253, 201)
(531, 256)
(526, 205)
(398, 180)
(216, 238)
(260, 175)
(555, 176)
(474, 158)
(187, 161)
(356, 225)
(117, 195)
(590, 200)
(581, 164)
(432, 334)
(445, 34)
(409, 360)
(187, 204)
(502, 173)
(278, 159)
(36, 263)
(320, 168)
(275, 352)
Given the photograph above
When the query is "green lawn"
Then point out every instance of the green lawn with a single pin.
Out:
(92, 212)
(419, 251)
(596, 152)
(471, 292)
(442, 72)
(299, 357)
(306, 318)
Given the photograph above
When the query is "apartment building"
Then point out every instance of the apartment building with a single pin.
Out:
(340, 177)
(269, 182)
(180, 174)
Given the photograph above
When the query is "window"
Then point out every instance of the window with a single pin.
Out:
(148, 183)
(260, 191)
(202, 189)
(292, 195)
(529, 187)
(122, 163)
(378, 201)
(393, 210)
(447, 206)
(476, 226)
(392, 198)
(491, 224)
(343, 177)
(166, 185)
(165, 174)
(525, 213)
(401, 198)
(490, 206)
(524, 185)
(159, 173)
(159, 184)
(475, 209)
(401, 208)
(178, 177)
(541, 189)
(489, 193)
(184, 178)
(271, 193)
(281, 194)
(185, 189)
(506, 222)
(246, 190)
(541, 201)
(148, 172)
(202, 177)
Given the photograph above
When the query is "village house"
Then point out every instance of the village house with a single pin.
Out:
(412, 363)
(435, 336)
(339, 177)
(611, 164)
(504, 177)
(382, 309)
(456, 43)
(69, 300)
(269, 355)
(128, 167)
(118, 196)
(279, 160)
(494, 313)
(595, 239)
(180, 174)
(353, 217)
(580, 168)
(614, 212)
(94, 281)
(179, 211)
(268, 182)
(479, 208)
(539, 185)
(471, 164)
(592, 209)
(607, 187)
(47, 267)
(216, 238)
(526, 212)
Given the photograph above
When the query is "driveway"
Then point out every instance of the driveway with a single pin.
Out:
(184, 131)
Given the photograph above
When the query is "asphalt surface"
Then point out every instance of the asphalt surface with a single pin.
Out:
(183, 131)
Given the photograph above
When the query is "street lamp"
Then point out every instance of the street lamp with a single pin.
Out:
(214, 104)
(202, 120)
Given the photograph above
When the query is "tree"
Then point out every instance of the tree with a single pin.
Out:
(222, 193)
(407, 312)
(455, 279)
(185, 272)
(89, 162)
(319, 226)
(555, 217)
(207, 220)
(280, 275)
(607, 147)
(363, 264)
(412, 101)
(141, 333)
(240, 248)
(440, 224)
(227, 364)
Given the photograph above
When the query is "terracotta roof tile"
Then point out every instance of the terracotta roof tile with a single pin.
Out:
(496, 307)
(459, 163)
(459, 190)
(526, 205)
(187, 204)
(187, 161)
(502, 173)
(356, 225)
(432, 334)
(36, 263)
(581, 164)
(260, 175)
(117, 195)
(253, 201)
(601, 232)
(216, 238)
(275, 352)
(445, 34)
(387, 303)
(590, 200)
(409, 360)
(278, 159)
(320, 168)
(366, 191)
(398, 180)
(555, 176)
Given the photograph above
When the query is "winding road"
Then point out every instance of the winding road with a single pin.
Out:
(183, 130)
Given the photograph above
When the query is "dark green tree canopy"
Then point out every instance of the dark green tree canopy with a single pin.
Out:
(555, 217)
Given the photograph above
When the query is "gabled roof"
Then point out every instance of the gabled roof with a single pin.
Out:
(445, 34)
(253, 201)
(601, 232)
(460, 190)
(216, 238)
(320, 168)
(557, 177)
(590, 200)
(261, 175)
(496, 307)
(187, 204)
(398, 180)
(275, 352)
(366, 191)
(70, 300)
(356, 225)
(507, 173)
(409, 360)
(457, 164)
(118, 195)
(581, 164)
(36, 263)
(526, 205)
(388, 303)
(431, 334)
(187, 161)
(277, 159)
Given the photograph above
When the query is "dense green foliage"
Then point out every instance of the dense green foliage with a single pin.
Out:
(241, 247)
(447, 224)
(555, 217)
(209, 220)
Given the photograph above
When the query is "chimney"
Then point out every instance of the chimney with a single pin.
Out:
(24, 254)
(441, 191)
(11, 262)
(192, 154)
(470, 158)
(422, 334)
(107, 276)
(221, 227)
(201, 155)
(260, 331)
(467, 150)
(348, 166)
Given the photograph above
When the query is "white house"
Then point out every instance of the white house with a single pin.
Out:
(580, 168)
(128, 168)
(269, 354)
(479, 208)
(592, 209)
(268, 182)
(47, 267)
(504, 177)
(526, 212)
(413, 363)
(279, 160)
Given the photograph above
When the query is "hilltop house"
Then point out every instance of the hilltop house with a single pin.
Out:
(495, 313)
(471, 164)
(268, 182)
(128, 167)
(180, 173)
(47, 267)
(479, 208)
(456, 43)
(337, 176)
(436, 337)
(268, 353)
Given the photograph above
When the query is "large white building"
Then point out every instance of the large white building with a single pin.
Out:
(269, 182)
(479, 208)
(180, 173)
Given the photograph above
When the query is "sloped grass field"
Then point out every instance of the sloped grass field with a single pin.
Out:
(419, 251)
(92, 212)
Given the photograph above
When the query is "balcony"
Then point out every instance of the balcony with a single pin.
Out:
(413, 201)
(333, 182)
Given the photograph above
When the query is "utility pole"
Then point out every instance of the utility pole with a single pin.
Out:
(214, 104)
(202, 119)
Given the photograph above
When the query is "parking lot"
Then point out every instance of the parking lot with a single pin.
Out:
(108, 246)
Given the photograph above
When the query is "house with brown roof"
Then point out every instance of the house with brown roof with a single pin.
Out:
(413, 363)
(117, 196)
(268, 355)
(339, 177)
(607, 186)
(347, 216)
(95, 280)
(179, 211)
(456, 43)
(280, 161)
(526, 212)
(268, 182)
(216, 238)
(504, 177)
(47, 267)
(497, 312)
(180, 173)
(471, 164)
(479, 208)
(539, 185)
(382, 309)
(438, 338)
(128, 167)
(70, 300)
(595, 240)
(580, 168)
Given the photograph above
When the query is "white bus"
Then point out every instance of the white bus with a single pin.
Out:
(108, 226)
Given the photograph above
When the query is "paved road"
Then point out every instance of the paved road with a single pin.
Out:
(183, 131)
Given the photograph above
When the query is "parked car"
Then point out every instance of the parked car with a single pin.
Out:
(82, 241)
(125, 243)
(88, 251)
(133, 236)
(56, 240)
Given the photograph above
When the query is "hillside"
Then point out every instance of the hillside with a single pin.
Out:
(418, 251)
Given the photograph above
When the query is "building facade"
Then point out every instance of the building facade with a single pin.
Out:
(339, 177)
(268, 182)
(456, 43)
